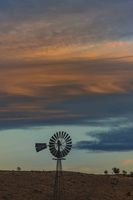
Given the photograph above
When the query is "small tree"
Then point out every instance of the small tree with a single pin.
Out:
(124, 172)
(106, 172)
(19, 169)
(116, 170)
(131, 173)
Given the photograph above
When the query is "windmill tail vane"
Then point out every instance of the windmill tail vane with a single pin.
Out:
(40, 146)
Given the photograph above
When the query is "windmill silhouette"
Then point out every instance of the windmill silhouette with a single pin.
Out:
(60, 145)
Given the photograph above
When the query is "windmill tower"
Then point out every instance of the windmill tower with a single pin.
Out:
(60, 145)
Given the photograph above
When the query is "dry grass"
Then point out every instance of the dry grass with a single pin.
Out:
(77, 186)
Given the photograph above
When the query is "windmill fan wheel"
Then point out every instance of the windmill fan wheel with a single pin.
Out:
(60, 144)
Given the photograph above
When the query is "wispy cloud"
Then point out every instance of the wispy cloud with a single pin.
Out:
(60, 30)
(83, 77)
(36, 91)
(58, 55)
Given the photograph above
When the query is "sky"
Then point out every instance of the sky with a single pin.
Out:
(66, 65)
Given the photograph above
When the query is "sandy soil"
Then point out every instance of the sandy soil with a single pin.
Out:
(33, 185)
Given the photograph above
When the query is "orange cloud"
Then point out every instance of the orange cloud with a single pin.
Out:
(27, 41)
(90, 77)
(105, 50)
(127, 162)
(119, 43)
(58, 59)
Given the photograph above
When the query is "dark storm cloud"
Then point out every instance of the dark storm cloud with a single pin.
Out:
(21, 111)
(98, 105)
(112, 140)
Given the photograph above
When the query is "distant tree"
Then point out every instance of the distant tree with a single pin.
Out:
(18, 168)
(131, 173)
(124, 172)
(106, 172)
(116, 170)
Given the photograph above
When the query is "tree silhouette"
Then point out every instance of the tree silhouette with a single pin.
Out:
(116, 170)
(131, 173)
(18, 168)
(106, 172)
(124, 172)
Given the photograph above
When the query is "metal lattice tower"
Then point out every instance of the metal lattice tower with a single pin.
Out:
(60, 145)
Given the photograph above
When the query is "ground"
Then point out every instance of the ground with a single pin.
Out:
(34, 185)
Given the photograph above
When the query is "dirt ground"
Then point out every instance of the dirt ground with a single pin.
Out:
(33, 185)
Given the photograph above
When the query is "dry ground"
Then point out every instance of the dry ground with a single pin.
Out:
(34, 185)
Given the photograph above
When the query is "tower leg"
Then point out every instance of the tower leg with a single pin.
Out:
(58, 187)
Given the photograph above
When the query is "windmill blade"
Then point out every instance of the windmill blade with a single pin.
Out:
(51, 146)
(40, 146)
(66, 135)
(52, 139)
(63, 134)
(53, 151)
(57, 135)
(65, 152)
(60, 134)
(68, 140)
(51, 143)
(69, 145)
(68, 148)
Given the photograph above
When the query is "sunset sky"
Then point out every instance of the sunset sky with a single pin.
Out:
(66, 65)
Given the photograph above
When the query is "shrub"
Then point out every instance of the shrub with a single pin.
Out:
(106, 172)
(116, 170)
(18, 168)
(124, 172)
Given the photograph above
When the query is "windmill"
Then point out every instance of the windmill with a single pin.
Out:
(59, 145)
